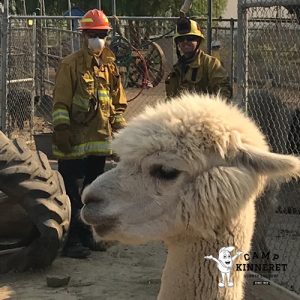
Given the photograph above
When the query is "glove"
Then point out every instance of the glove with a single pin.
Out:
(62, 139)
(118, 122)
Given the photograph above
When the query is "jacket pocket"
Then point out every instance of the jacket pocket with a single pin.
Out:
(83, 109)
(104, 128)
(87, 84)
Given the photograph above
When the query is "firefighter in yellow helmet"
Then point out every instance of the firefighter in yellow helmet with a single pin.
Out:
(195, 70)
(89, 102)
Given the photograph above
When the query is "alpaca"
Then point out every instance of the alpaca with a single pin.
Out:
(190, 171)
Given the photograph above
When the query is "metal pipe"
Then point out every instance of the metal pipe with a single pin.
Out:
(34, 73)
(20, 80)
(186, 6)
(143, 18)
(267, 3)
(60, 47)
(4, 67)
(209, 25)
(242, 57)
(42, 7)
(71, 24)
(45, 17)
(232, 52)
(114, 13)
(24, 7)
(99, 4)
(114, 8)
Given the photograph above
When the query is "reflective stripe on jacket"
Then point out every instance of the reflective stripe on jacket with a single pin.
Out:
(87, 97)
(205, 74)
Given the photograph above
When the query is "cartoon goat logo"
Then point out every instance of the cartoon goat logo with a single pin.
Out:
(225, 264)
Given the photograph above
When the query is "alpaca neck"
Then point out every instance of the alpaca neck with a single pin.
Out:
(189, 276)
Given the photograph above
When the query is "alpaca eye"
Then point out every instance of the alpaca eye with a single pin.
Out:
(162, 172)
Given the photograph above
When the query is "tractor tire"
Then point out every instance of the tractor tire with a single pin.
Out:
(27, 178)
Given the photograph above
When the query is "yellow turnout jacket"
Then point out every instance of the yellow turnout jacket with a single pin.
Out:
(88, 98)
(205, 74)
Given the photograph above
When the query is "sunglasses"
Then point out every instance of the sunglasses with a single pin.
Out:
(188, 38)
(95, 34)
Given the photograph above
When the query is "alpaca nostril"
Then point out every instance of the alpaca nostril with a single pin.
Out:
(91, 199)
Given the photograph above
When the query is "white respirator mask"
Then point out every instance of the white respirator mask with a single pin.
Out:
(96, 44)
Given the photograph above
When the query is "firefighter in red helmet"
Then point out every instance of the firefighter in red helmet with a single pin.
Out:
(89, 103)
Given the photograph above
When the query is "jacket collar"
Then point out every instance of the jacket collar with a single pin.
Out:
(195, 63)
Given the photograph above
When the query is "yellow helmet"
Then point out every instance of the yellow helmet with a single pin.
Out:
(187, 27)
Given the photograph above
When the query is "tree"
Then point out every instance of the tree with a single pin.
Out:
(124, 7)
(159, 8)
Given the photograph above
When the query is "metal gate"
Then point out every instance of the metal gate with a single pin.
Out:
(268, 69)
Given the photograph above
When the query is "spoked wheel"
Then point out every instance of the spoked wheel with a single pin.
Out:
(28, 180)
(155, 60)
(136, 71)
(122, 49)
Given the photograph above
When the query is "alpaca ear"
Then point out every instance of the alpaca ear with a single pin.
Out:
(273, 165)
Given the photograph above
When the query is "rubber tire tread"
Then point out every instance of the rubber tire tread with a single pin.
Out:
(27, 177)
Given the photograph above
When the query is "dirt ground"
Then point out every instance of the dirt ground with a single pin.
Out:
(121, 273)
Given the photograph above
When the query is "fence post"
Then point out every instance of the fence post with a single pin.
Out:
(4, 66)
(71, 25)
(34, 73)
(41, 72)
(114, 13)
(232, 52)
(209, 25)
(242, 56)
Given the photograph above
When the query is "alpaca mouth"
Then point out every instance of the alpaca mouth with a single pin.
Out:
(105, 225)
(92, 214)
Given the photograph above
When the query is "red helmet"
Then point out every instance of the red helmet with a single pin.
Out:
(94, 19)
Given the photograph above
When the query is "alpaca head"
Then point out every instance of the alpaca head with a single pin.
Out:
(187, 166)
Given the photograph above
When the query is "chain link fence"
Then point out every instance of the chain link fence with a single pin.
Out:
(144, 50)
(269, 90)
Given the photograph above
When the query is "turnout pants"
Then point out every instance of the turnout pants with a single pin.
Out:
(77, 174)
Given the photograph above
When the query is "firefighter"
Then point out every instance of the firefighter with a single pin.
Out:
(195, 70)
(89, 103)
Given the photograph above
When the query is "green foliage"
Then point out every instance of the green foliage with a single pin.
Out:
(199, 8)
(124, 7)
(172, 7)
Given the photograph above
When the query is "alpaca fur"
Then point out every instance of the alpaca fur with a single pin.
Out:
(190, 171)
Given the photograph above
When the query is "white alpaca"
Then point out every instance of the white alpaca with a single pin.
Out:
(190, 171)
